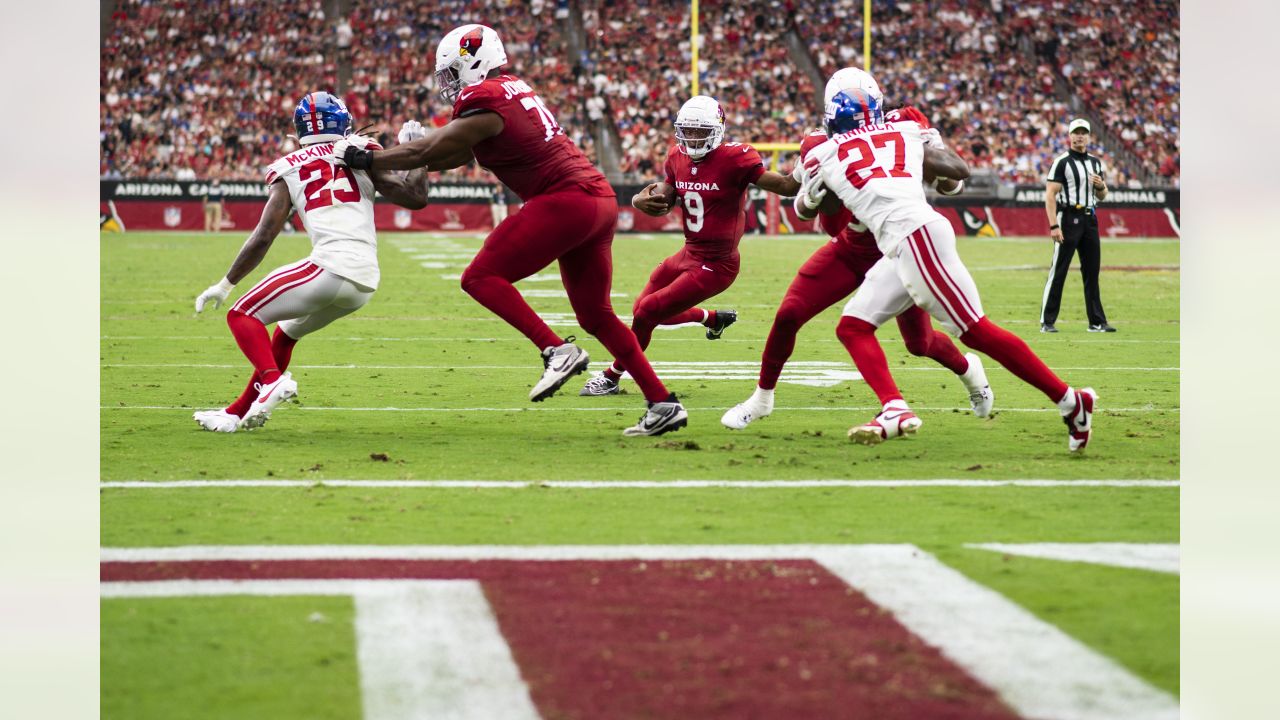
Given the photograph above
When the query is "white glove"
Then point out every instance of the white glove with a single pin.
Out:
(933, 138)
(813, 192)
(340, 148)
(798, 173)
(215, 293)
(410, 131)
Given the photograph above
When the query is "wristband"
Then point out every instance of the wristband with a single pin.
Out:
(357, 159)
(225, 285)
(1054, 226)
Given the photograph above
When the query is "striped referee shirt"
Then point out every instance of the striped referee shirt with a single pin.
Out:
(1071, 170)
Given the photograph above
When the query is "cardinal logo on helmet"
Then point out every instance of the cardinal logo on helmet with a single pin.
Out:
(471, 42)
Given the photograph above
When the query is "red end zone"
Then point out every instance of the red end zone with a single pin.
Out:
(675, 639)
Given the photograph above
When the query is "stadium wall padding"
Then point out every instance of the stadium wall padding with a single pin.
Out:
(176, 205)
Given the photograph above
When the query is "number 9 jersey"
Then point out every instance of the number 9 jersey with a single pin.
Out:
(336, 207)
(712, 193)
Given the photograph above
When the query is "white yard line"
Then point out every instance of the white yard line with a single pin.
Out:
(1095, 338)
(845, 408)
(748, 367)
(425, 648)
(1142, 556)
(1037, 669)
(630, 484)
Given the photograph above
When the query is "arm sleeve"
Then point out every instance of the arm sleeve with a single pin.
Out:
(751, 163)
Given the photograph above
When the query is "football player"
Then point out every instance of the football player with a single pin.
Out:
(875, 168)
(569, 214)
(709, 178)
(830, 274)
(335, 204)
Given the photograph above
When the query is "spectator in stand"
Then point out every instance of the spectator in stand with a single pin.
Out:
(213, 206)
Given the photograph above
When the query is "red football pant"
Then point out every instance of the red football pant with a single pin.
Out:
(828, 276)
(1012, 352)
(576, 229)
(282, 352)
(674, 289)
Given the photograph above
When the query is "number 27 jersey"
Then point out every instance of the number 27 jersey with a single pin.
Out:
(336, 207)
(877, 172)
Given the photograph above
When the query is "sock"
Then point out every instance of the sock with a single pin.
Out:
(1067, 404)
(762, 398)
(623, 345)
(946, 354)
(859, 338)
(691, 315)
(282, 350)
(613, 372)
(1010, 351)
(251, 336)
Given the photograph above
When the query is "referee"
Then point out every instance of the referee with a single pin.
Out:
(1071, 194)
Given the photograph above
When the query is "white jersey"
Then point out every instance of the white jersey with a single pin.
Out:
(877, 171)
(336, 207)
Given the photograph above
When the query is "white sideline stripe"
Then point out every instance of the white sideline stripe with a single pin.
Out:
(749, 369)
(829, 408)
(631, 484)
(435, 651)
(1165, 558)
(1036, 668)
(885, 341)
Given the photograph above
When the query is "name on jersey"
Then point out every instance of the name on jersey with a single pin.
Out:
(683, 185)
(299, 157)
(512, 88)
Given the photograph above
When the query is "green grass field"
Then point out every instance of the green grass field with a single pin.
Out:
(423, 384)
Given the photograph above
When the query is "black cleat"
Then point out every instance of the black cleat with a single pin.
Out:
(1048, 327)
(1104, 327)
(724, 318)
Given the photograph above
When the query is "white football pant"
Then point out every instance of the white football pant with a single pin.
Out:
(302, 297)
(926, 271)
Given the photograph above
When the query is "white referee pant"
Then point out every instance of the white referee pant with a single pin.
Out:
(302, 297)
(926, 271)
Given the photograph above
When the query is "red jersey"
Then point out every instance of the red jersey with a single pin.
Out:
(531, 155)
(843, 227)
(713, 191)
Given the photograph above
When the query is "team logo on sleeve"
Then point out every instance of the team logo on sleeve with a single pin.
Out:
(471, 42)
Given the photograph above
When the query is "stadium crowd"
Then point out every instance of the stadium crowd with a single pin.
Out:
(206, 90)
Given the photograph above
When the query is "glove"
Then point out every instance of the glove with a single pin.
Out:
(813, 192)
(933, 138)
(350, 151)
(410, 131)
(217, 294)
(798, 173)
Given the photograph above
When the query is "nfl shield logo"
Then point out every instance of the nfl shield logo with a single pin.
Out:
(626, 220)
(403, 218)
(172, 216)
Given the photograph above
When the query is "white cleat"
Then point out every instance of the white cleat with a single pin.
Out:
(896, 420)
(269, 397)
(600, 384)
(748, 411)
(981, 396)
(661, 417)
(217, 421)
(1080, 419)
(560, 363)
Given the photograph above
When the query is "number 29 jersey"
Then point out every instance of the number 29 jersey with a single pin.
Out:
(877, 171)
(712, 193)
(336, 207)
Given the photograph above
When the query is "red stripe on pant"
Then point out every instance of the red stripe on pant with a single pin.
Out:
(937, 283)
(269, 285)
(946, 276)
(285, 288)
(916, 256)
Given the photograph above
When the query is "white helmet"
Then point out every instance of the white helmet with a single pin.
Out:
(701, 112)
(852, 78)
(465, 57)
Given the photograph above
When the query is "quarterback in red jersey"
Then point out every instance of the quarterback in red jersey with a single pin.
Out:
(833, 272)
(709, 178)
(569, 214)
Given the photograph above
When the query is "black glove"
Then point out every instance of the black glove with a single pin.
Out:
(358, 159)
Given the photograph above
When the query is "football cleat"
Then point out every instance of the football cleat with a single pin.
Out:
(1104, 327)
(600, 384)
(892, 422)
(560, 363)
(744, 413)
(661, 417)
(269, 397)
(724, 318)
(1080, 419)
(1048, 328)
(217, 421)
(981, 397)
